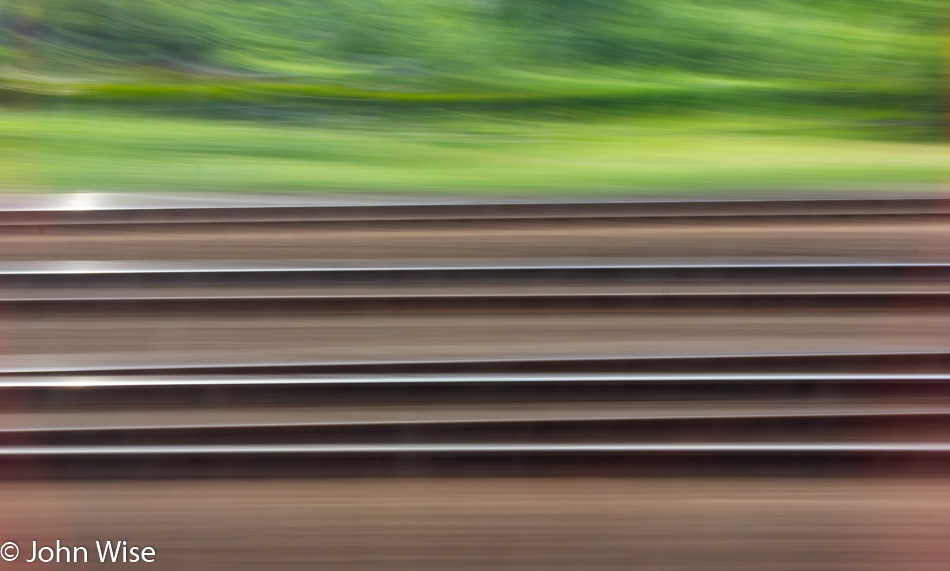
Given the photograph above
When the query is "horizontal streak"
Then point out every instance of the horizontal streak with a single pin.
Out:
(844, 295)
(485, 421)
(697, 448)
(138, 382)
(118, 268)
(106, 209)
(587, 361)
(112, 202)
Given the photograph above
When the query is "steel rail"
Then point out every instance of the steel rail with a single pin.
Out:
(731, 363)
(78, 393)
(877, 301)
(867, 414)
(90, 274)
(940, 448)
(138, 382)
(89, 213)
(59, 269)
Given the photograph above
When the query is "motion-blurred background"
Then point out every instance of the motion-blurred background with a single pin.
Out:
(476, 284)
(516, 95)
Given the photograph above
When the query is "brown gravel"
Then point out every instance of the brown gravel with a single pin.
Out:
(913, 239)
(521, 524)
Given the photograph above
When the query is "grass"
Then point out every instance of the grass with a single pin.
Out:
(516, 96)
(455, 152)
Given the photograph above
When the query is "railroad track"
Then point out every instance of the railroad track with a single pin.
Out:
(77, 211)
(743, 413)
(480, 304)
(103, 289)
(885, 228)
(92, 274)
(884, 362)
(203, 423)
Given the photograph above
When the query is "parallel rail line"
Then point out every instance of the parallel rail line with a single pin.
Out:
(127, 275)
(111, 390)
(133, 381)
(876, 301)
(844, 424)
(514, 444)
(473, 212)
(941, 448)
(886, 362)
(860, 413)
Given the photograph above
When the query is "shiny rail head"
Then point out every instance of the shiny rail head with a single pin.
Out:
(67, 268)
(579, 419)
(941, 448)
(885, 362)
(72, 382)
(116, 208)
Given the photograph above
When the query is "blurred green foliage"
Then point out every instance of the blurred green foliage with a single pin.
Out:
(139, 32)
(93, 149)
(506, 95)
(540, 48)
